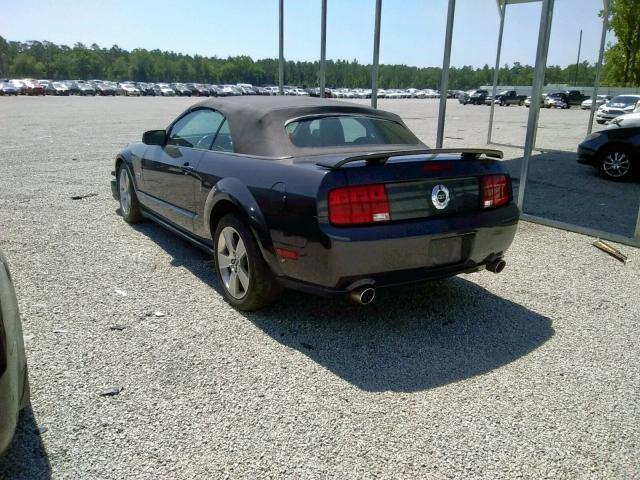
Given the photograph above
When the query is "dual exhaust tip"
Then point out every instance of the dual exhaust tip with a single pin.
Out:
(366, 295)
(497, 266)
(363, 296)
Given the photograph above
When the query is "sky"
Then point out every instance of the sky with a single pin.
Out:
(412, 31)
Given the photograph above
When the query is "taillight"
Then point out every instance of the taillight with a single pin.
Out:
(359, 205)
(495, 191)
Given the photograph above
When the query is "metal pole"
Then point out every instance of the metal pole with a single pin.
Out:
(575, 78)
(376, 56)
(596, 87)
(281, 59)
(496, 72)
(637, 233)
(444, 82)
(546, 17)
(547, 39)
(323, 47)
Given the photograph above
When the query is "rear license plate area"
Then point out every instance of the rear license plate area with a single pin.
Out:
(446, 251)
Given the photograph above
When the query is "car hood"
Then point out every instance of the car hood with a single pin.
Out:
(625, 121)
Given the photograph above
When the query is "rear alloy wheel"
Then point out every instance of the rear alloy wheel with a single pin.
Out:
(129, 206)
(616, 164)
(246, 279)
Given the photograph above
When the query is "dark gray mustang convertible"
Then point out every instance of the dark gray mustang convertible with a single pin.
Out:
(317, 195)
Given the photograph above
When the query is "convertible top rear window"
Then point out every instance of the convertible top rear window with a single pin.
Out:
(347, 130)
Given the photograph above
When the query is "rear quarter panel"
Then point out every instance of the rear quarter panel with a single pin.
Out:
(277, 197)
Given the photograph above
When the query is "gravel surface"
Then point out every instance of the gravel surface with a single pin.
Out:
(533, 373)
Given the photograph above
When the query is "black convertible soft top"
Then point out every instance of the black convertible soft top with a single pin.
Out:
(257, 123)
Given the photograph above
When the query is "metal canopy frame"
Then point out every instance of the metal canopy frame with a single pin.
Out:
(546, 18)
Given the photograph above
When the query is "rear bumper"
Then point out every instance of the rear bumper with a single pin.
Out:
(402, 253)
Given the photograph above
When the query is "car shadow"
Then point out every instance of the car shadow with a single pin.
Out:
(27, 457)
(410, 339)
(559, 188)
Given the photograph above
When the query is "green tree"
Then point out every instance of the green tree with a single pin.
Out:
(622, 59)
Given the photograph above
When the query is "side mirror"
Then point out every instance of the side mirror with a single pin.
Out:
(154, 137)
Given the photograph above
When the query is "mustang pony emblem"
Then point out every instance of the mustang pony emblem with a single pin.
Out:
(440, 197)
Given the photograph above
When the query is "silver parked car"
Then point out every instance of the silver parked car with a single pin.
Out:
(14, 383)
(617, 106)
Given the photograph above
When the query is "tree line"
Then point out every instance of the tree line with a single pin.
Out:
(622, 59)
(43, 59)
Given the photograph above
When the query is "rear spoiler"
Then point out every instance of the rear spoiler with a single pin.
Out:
(379, 158)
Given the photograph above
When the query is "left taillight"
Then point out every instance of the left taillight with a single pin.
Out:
(359, 205)
(495, 191)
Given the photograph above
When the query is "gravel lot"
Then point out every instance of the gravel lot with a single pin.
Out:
(533, 373)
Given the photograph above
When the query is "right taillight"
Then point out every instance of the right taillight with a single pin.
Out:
(359, 205)
(495, 191)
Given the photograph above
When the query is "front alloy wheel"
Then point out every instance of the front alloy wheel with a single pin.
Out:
(616, 165)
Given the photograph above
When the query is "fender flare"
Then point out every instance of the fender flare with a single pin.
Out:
(231, 190)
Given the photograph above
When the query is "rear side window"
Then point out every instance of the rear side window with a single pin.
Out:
(348, 131)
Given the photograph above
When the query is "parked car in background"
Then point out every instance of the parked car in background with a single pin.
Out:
(557, 100)
(58, 89)
(318, 195)
(7, 88)
(565, 99)
(33, 87)
(166, 90)
(72, 86)
(506, 98)
(130, 90)
(14, 380)
(104, 89)
(181, 89)
(614, 151)
(543, 98)
(617, 106)
(85, 88)
(601, 100)
(474, 97)
(19, 86)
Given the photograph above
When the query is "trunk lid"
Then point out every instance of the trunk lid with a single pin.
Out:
(421, 184)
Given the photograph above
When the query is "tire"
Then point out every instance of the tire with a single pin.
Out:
(129, 205)
(520, 103)
(238, 257)
(616, 163)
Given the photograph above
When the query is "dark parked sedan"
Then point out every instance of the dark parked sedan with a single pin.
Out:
(7, 88)
(615, 152)
(317, 195)
(14, 383)
(57, 88)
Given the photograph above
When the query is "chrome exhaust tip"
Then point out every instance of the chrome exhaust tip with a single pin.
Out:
(363, 296)
(497, 266)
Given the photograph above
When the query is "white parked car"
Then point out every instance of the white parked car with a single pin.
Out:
(130, 90)
(625, 121)
(601, 100)
(166, 90)
(617, 106)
